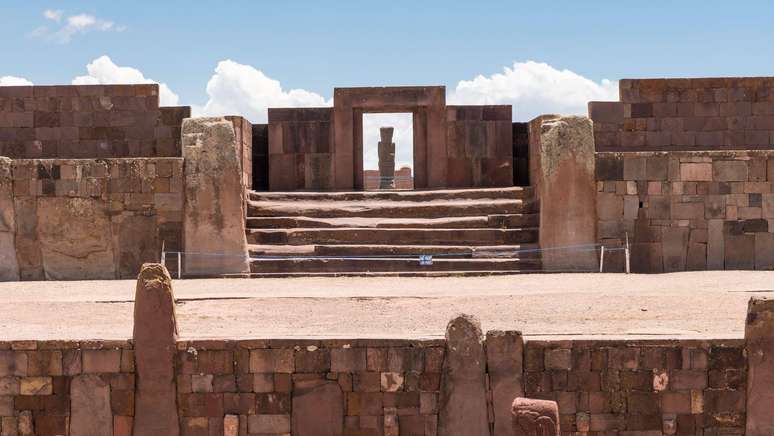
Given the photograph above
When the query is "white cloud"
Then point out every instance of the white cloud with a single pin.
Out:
(72, 25)
(14, 81)
(237, 89)
(103, 71)
(533, 89)
(53, 15)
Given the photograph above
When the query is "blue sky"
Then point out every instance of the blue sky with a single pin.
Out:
(240, 57)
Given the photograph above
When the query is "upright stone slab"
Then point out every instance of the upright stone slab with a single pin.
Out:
(462, 402)
(318, 408)
(504, 361)
(562, 170)
(9, 266)
(759, 335)
(214, 213)
(90, 412)
(155, 334)
(535, 417)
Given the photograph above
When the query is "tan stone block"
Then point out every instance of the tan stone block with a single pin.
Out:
(695, 172)
(36, 386)
(271, 360)
(269, 424)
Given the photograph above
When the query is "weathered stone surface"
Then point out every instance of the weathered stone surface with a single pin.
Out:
(136, 244)
(155, 334)
(318, 408)
(9, 267)
(759, 335)
(462, 404)
(504, 355)
(386, 159)
(535, 417)
(90, 412)
(214, 224)
(566, 187)
(75, 238)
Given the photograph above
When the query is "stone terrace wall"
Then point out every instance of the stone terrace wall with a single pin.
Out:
(275, 386)
(88, 121)
(50, 388)
(641, 387)
(89, 219)
(300, 149)
(688, 210)
(687, 114)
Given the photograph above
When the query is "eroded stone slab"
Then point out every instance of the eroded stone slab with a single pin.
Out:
(504, 356)
(462, 408)
(9, 267)
(318, 408)
(759, 334)
(90, 413)
(214, 212)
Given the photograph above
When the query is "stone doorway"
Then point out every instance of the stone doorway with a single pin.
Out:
(388, 151)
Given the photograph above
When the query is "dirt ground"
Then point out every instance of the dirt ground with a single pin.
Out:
(680, 305)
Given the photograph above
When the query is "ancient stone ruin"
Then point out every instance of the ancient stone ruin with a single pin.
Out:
(386, 159)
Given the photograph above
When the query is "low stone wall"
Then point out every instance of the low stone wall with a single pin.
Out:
(94, 219)
(641, 387)
(688, 210)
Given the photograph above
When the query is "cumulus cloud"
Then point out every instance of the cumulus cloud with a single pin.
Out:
(103, 71)
(237, 89)
(14, 81)
(534, 88)
(66, 28)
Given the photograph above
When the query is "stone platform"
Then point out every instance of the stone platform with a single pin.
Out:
(544, 306)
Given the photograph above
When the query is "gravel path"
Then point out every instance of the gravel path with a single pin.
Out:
(681, 305)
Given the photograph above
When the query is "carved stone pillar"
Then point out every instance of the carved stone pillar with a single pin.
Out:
(386, 159)
(535, 417)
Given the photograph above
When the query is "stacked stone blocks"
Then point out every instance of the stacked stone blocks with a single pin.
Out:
(641, 387)
(688, 210)
(687, 114)
(88, 121)
(79, 219)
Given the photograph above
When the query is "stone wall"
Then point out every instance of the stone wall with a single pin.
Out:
(479, 146)
(243, 130)
(90, 219)
(687, 114)
(641, 387)
(301, 149)
(88, 121)
(688, 210)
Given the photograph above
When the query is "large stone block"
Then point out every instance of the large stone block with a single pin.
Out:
(9, 266)
(729, 170)
(155, 336)
(566, 185)
(504, 354)
(318, 408)
(214, 213)
(463, 404)
(759, 337)
(75, 237)
(90, 412)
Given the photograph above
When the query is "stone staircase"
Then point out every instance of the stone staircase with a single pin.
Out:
(470, 231)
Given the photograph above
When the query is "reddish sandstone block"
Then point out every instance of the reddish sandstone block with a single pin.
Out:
(270, 360)
(348, 359)
(101, 361)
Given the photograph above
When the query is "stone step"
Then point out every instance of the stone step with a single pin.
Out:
(493, 221)
(380, 274)
(390, 265)
(390, 209)
(392, 236)
(523, 251)
(510, 193)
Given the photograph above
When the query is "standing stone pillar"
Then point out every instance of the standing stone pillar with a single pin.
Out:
(504, 361)
(386, 159)
(155, 336)
(462, 403)
(214, 214)
(759, 337)
(535, 417)
(9, 266)
(562, 171)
